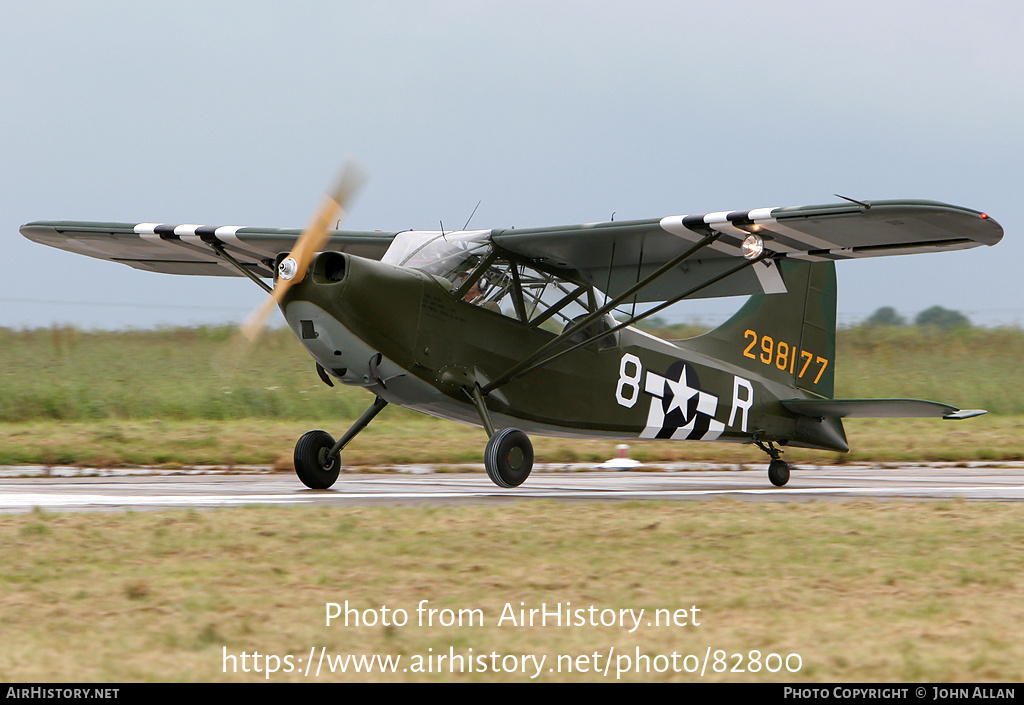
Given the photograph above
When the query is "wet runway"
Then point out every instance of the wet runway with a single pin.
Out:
(63, 489)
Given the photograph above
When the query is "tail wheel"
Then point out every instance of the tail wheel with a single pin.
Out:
(778, 472)
(313, 463)
(508, 457)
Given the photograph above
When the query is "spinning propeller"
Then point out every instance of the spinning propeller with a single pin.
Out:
(293, 267)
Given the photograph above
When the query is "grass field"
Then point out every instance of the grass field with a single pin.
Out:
(400, 437)
(849, 591)
(183, 396)
(860, 592)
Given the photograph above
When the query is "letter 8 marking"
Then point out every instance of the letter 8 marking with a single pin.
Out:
(629, 381)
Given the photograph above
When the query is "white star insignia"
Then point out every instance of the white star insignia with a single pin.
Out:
(681, 392)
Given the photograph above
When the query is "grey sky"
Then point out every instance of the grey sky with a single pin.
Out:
(549, 112)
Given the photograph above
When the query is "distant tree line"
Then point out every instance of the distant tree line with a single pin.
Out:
(934, 317)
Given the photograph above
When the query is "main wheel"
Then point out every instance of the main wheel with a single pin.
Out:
(509, 457)
(778, 472)
(312, 464)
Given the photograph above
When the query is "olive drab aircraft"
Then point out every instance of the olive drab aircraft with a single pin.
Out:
(532, 331)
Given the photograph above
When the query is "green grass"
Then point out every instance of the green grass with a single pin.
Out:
(186, 396)
(970, 367)
(196, 373)
(181, 373)
(862, 591)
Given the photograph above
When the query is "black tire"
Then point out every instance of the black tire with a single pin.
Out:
(509, 457)
(314, 468)
(778, 472)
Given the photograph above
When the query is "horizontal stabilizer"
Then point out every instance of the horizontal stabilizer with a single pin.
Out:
(876, 408)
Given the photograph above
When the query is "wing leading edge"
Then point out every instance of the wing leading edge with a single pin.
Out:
(189, 249)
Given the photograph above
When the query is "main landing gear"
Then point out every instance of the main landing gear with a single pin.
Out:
(317, 456)
(778, 469)
(508, 457)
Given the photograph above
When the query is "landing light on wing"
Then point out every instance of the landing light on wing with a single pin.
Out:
(753, 246)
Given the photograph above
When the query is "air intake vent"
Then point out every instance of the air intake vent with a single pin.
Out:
(331, 266)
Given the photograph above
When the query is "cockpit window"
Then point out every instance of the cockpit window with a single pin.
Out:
(463, 263)
(537, 297)
(451, 256)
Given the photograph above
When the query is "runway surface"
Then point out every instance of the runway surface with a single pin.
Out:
(63, 489)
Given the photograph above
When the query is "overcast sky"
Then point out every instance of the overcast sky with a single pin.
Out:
(241, 113)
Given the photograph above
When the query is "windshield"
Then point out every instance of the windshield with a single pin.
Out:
(450, 256)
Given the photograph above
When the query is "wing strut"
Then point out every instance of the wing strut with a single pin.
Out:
(601, 334)
(645, 314)
(223, 254)
(530, 363)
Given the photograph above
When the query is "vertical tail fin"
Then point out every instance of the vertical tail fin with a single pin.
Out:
(789, 338)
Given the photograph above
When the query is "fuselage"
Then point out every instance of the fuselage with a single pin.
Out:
(407, 337)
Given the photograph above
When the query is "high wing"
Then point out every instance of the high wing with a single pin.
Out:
(192, 249)
(613, 256)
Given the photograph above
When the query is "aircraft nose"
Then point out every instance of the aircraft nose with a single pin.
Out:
(326, 268)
